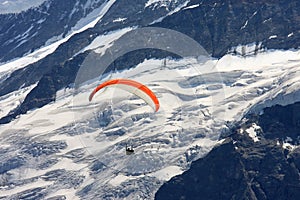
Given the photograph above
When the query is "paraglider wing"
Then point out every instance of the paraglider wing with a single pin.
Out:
(131, 86)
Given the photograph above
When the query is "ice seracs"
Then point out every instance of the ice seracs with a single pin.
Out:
(194, 110)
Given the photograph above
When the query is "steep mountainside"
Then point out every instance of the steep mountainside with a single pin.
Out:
(259, 160)
(220, 26)
(24, 32)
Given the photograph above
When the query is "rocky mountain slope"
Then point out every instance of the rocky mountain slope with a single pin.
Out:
(258, 160)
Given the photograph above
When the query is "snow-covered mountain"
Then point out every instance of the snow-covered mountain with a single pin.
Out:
(22, 33)
(55, 144)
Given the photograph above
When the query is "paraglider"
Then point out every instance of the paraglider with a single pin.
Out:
(133, 87)
(128, 150)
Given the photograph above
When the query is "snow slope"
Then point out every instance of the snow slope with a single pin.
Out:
(14, 99)
(76, 147)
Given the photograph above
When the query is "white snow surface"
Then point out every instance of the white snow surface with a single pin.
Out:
(252, 131)
(273, 37)
(247, 21)
(192, 6)
(290, 35)
(288, 144)
(158, 3)
(13, 99)
(195, 106)
(101, 43)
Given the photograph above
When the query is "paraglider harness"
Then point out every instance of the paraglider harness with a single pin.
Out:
(129, 151)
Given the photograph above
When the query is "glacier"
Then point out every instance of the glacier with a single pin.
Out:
(76, 148)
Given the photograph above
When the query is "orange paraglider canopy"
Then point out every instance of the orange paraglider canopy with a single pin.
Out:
(131, 86)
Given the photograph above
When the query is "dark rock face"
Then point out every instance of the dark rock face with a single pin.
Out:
(220, 25)
(243, 169)
(208, 179)
(281, 119)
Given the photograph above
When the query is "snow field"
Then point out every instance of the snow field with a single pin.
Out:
(195, 105)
